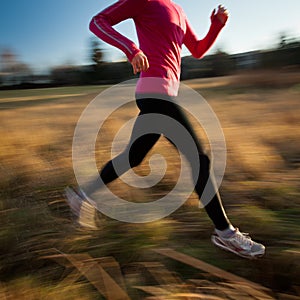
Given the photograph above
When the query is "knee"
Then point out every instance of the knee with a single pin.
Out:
(204, 161)
(204, 158)
(134, 160)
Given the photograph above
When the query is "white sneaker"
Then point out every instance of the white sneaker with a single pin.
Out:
(240, 244)
(81, 208)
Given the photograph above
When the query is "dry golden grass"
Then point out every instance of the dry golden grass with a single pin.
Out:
(261, 188)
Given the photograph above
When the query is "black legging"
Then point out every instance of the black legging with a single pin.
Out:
(138, 149)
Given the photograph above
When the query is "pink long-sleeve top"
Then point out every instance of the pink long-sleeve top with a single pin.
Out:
(162, 28)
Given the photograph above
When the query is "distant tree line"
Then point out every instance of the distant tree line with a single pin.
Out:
(285, 56)
(14, 73)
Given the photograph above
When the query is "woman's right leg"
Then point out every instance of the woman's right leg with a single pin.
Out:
(214, 207)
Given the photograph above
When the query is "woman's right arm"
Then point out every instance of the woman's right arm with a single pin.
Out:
(102, 25)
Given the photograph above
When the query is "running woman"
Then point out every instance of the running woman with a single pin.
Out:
(163, 28)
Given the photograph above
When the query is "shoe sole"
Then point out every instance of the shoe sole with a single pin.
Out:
(252, 256)
(73, 199)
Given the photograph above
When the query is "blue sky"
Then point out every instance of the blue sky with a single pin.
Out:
(48, 33)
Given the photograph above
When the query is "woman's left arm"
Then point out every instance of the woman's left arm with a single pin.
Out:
(199, 47)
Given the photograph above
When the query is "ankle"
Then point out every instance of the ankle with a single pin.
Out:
(226, 233)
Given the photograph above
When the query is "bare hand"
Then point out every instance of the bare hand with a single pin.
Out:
(140, 63)
(221, 14)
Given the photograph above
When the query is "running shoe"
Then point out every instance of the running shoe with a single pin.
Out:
(84, 212)
(240, 244)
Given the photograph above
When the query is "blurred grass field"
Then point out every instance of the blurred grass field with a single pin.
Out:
(259, 114)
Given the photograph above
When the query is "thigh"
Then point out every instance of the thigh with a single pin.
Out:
(173, 110)
(177, 113)
(139, 145)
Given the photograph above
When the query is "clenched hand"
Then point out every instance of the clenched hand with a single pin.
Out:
(221, 14)
(140, 63)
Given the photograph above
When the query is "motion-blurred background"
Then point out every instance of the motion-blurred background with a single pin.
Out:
(51, 67)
